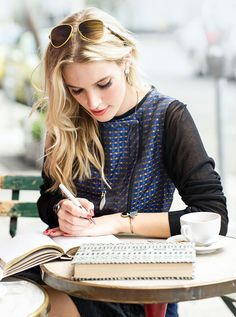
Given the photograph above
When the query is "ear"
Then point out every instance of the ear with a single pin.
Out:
(127, 62)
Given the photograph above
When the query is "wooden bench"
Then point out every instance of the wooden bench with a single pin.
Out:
(15, 208)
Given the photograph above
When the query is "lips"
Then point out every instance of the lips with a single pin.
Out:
(98, 113)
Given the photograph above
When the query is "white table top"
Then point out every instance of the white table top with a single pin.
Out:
(215, 275)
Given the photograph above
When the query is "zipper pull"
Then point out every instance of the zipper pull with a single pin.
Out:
(103, 200)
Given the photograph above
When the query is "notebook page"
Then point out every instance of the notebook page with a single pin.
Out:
(70, 242)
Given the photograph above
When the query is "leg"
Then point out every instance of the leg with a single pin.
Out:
(161, 310)
(61, 304)
(89, 308)
(172, 310)
(155, 310)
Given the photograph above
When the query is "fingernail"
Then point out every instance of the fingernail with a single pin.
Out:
(46, 232)
(92, 212)
(50, 231)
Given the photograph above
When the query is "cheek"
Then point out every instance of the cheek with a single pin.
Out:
(115, 94)
(79, 98)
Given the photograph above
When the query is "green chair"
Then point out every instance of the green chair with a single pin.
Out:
(230, 302)
(15, 208)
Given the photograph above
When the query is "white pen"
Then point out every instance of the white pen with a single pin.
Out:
(72, 198)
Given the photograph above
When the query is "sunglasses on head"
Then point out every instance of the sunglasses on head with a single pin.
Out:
(89, 30)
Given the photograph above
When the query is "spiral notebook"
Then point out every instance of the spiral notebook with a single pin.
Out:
(135, 260)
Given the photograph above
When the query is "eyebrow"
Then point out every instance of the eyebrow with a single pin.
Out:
(71, 86)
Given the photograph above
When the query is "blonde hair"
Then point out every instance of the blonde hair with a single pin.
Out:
(73, 143)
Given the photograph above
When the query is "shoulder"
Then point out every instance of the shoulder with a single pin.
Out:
(169, 107)
(177, 112)
(176, 107)
(179, 124)
(160, 100)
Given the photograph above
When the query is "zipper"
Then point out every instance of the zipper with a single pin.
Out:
(130, 190)
(129, 193)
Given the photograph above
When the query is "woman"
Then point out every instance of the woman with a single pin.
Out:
(118, 144)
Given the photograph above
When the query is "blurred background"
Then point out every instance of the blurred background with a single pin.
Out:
(187, 50)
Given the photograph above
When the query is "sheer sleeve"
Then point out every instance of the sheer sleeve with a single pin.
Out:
(190, 168)
(46, 202)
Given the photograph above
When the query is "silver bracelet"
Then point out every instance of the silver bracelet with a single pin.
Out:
(131, 216)
(57, 207)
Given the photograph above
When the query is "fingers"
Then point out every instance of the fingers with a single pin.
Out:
(72, 219)
(88, 205)
(69, 230)
(67, 207)
(55, 232)
(67, 225)
(73, 224)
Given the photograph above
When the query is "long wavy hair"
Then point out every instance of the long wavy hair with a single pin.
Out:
(72, 142)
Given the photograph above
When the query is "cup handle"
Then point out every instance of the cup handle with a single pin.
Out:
(186, 232)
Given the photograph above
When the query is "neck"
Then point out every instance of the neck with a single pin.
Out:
(131, 99)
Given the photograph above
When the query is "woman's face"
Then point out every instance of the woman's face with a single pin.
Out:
(100, 87)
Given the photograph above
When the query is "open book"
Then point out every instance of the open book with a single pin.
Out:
(135, 260)
(28, 250)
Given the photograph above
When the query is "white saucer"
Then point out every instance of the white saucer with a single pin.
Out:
(199, 249)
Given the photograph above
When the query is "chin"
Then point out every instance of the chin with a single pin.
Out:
(104, 119)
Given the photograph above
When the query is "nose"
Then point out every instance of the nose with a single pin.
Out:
(93, 100)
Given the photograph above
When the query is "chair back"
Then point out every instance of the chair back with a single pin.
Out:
(15, 208)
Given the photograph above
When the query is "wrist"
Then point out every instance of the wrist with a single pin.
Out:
(130, 215)
(122, 224)
(126, 224)
(56, 207)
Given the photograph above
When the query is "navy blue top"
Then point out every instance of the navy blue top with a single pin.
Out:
(134, 165)
(149, 151)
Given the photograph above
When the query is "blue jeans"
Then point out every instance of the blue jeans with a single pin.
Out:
(172, 310)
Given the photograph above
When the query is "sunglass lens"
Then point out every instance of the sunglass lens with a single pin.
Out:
(60, 34)
(91, 29)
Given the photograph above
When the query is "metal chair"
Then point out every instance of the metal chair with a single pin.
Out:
(230, 302)
(15, 208)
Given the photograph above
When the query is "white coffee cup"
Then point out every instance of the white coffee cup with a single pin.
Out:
(202, 228)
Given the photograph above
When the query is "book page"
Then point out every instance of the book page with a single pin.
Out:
(23, 243)
(11, 248)
(68, 243)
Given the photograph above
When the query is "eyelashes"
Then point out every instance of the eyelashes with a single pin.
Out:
(76, 91)
(106, 85)
(101, 86)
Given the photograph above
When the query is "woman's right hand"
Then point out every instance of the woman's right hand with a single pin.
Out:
(73, 219)
(105, 225)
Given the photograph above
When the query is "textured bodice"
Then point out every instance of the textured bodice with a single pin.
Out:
(134, 167)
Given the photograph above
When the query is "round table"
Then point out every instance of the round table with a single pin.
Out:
(21, 297)
(215, 275)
